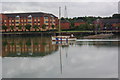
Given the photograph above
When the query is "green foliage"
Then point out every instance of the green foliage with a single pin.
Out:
(44, 43)
(53, 26)
(28, 26)
(71, 24)
(12, 43)
(43, 26)
(85, 27)
(35, 43)
(82, 27)
(62, 18)
(107, 26)
(28, 43)
(4, 43)
(20, 26)
(4, 27)
(12, 27)
(35, 26)
(20, 43)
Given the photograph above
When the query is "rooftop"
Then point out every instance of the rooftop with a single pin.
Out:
(79, 20)
(33, 14)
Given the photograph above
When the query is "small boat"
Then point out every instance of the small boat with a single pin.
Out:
(64, 38)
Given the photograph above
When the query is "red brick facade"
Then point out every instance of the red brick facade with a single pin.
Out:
(39, 19)
(78, 23)
(65, 25)
(109, 24)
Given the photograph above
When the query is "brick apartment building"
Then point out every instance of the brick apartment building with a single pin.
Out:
(34, 19)
(108, 24)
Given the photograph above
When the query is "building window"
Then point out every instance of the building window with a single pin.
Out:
(45, 17)
(45, 21)
(17, 22)
(51, 16)
(29, 22)
(4, 20)
(29, 18)
(24, 20)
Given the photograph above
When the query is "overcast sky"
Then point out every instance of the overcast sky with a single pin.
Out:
(74, 9)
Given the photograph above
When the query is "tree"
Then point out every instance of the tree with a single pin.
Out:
(12, 27)
(72, 24)
(53, 26)
(62, 18)
(28, 26)
(20, 27)
(107, 26)
(4, 27)
(28, 43)
(43, 26)
(35, 27)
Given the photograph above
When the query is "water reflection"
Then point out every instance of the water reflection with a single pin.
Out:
(42, 46)
(29, 46)
(39, 57)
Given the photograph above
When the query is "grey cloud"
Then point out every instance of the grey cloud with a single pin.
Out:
(74, 8)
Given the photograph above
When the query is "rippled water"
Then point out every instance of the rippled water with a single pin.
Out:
(39, 57)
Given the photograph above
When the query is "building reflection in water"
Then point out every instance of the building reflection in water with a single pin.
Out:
(40, 46)
(27, 47)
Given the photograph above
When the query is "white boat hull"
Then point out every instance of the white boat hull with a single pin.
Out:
(63, 39)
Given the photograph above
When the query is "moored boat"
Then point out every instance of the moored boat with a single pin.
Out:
(63, 38)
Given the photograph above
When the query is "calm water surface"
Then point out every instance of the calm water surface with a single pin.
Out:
(39, 57)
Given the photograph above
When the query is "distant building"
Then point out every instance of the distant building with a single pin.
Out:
(65, 24)
(78, 22)
(119, 7)
(116, 16)
(109, 24)
(35, 18)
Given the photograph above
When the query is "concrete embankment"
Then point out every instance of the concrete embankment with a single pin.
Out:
(98, 36)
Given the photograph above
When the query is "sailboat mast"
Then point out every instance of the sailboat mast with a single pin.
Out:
(65, 13)
(59, 20)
